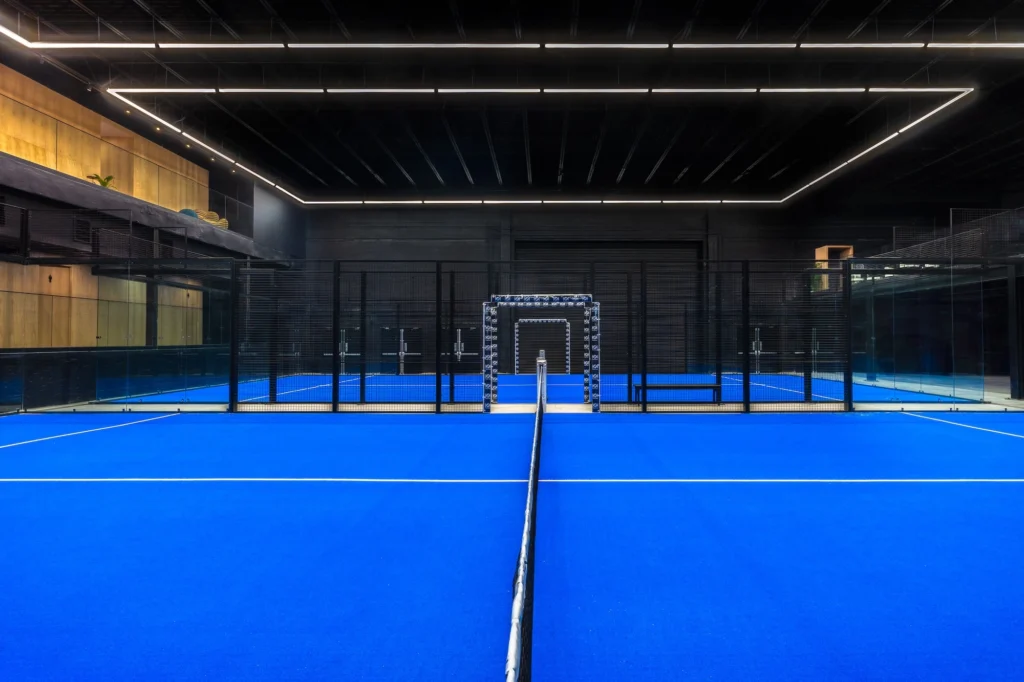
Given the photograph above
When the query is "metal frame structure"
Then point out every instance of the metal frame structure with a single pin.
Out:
(548, 320)
(591, 339)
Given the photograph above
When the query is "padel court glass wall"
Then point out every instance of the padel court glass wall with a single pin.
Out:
(193, 334)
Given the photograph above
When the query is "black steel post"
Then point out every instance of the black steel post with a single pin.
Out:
(1015, 324)
(275, 339)
(363, 349)
(745, 334)
(848, 335)
(629, 337)
(807, 331)
(718, 325)
(438, 336)
(451, 336)
(233, 338)
(643, 336)
(872, 364)
(336, 347)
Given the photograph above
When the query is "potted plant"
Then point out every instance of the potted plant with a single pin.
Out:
(107, 182)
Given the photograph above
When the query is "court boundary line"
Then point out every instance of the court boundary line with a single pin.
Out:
(79, 433)
(966, 426)
(469, 481)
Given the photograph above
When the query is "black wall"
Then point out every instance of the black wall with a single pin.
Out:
(279, 223)
(494, 233)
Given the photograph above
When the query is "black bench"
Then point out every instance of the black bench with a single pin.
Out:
(716, 389)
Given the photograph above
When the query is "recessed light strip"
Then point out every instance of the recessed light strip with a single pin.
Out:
(528, 91)
(279, 188)
(145, 111)
(734, 46)
(254, 173)
(936, 110)
(271, 91)
(220, 46)
(873, 147)
(862, 46)
(807, 90)
(413, 46)
(206, 146)
(606, 46)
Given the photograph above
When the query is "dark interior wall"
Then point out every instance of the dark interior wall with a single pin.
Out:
(279, 223)
(492, 233)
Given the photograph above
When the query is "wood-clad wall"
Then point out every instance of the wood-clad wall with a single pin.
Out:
(69, 307)
(41, 126)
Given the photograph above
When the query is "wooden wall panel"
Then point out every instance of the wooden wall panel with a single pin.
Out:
(27, 134)
(177, 320)
(41, 126)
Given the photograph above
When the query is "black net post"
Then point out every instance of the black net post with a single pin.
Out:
(1015, 325)
(336, 346)
(438, 300)
(872, 368)
(848, 335)
(233, 338)
(745, 334)
(362, 337)
(643, 337)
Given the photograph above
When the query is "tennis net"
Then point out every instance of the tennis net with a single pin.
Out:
(517, 664)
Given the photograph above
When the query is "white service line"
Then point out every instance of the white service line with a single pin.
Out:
(790, 390)
(966, 426)
(261, 480)
(443, 481)
(296, 390)
(79, 433)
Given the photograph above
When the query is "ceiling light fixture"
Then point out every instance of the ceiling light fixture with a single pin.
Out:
(977, 46)
(601, 91)
(206, 146)
(413, 46)
(384, 91)
(935, 90)
(936, 110)
(873, 147)
(471, 91)
(862, 46)
(164, 91)
(279, 188)
(93, 46)
(606, 46)
(271, 91)
(144, 111)
(776, 91)
(254, 173)
(733, 46)
(453, 201)
(513, 201)
(219, 46)
(693, 91)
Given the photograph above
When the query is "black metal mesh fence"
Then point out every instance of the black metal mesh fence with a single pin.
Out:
(407, 336)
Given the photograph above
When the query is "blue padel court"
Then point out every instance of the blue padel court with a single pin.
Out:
(565, 388)
(707, 547)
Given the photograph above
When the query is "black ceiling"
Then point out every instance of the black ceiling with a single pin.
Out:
(547, 145)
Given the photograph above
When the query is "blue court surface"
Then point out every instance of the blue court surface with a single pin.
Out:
(316, 546)
(562, 388)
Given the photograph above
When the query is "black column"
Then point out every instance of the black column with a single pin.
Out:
(336, 349)
(719, 341)
(643, 336)
(233, 339)
(152, 312)
(1015, 324)
(274, 345)
(848, 335)
(629, 337)
(438, 302)
(363, 349)
(745, 334)
(451, 336)
(807, 330)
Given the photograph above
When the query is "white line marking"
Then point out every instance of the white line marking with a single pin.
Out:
(788, 390)
(79, 433)
(296, 390)
(966, 426)
(261, 480)
(517, 480)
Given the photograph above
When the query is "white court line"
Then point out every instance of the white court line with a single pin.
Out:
(516, 480)
(79, 433)
(966, 426)
(790, 390)
(296, 390)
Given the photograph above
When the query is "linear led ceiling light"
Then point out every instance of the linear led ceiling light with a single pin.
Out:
(734, 46)
(960, 94)
(220, 46)
(602, 91)
(862, 46)
(381, 91)
(413, 46)
(977, 46)
(606, 46)
(271, 91)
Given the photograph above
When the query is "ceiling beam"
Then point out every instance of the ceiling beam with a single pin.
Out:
(286, 125)
(668, 148)
(632, 150)
(336, 18)
(633, 17)
(991, 21)
(872, 16)
(422, 151)
(931, 17)
(690, 23)
(597, 147)
(387, 151)
(353, 153)
(218, 20)
(55, 63)
(277, 19)
(804, 27)
(526, 143)
(574, 21)
(754, 16)
(561, 153)
(490, 144)
(158, 19)
(517, 23)
(455, 146)
(453, 5)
